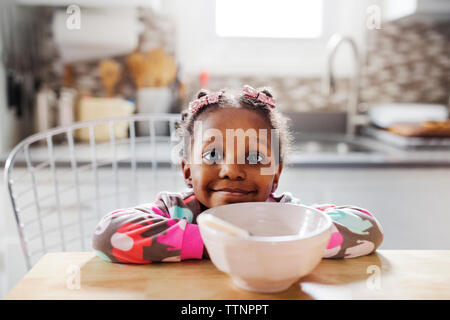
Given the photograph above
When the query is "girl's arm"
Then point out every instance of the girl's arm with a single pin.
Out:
(145, 234)
(355, 233)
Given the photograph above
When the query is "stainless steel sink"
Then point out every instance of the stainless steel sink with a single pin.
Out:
(320, 133)
(321, 140)
(329, 144)
(311, 145)
(336, 150)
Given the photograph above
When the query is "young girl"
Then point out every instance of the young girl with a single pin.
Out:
(166, 229)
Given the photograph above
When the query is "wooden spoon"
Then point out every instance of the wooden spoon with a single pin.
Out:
(109, 74)
(138, 67)
(225, 226)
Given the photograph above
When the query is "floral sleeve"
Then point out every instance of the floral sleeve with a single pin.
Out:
(152, 232)
(355, 231)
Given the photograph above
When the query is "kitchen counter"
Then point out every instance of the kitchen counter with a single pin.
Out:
(386, 274)
(380, 155)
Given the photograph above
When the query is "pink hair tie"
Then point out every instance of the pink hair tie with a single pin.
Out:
(199, 103)
(260, 96)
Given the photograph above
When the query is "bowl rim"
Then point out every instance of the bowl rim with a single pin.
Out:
(286, 238)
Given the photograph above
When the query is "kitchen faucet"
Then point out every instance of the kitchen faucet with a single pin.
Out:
(329, 84)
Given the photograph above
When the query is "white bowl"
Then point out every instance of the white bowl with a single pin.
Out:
(287, 242)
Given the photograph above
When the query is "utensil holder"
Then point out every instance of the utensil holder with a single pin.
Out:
(153, 100)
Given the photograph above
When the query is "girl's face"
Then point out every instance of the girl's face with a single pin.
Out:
(220, 180)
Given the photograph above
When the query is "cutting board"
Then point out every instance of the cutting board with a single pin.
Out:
(424, 129)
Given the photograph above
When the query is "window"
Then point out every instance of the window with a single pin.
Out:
(269, 18)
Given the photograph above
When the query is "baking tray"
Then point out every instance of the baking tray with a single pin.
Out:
(405, 142)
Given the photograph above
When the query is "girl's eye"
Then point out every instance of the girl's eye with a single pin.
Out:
(212, 156)
(255, 158)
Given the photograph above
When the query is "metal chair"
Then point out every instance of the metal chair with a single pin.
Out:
(60, 186)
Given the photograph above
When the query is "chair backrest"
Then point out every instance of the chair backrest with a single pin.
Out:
(62, 181)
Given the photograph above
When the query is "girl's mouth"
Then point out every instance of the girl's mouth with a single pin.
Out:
(232, 192)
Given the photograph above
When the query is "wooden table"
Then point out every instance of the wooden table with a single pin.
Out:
(387, 274)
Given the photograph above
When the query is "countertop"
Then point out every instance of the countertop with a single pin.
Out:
(386, 274)
(381, 155)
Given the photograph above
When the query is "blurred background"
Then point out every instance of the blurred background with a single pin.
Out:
(365, 83)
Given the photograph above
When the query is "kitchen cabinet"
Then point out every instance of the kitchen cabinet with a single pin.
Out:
(436, 10)
(410, 203)
(93, 3)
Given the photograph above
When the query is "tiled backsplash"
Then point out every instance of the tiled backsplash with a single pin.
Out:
(408, 62)
(405, 62)
(291, 94)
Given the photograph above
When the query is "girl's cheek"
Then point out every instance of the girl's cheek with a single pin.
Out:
(204, 173)
(263, 181)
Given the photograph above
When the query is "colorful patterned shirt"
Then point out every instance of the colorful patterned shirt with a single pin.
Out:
(166, 230)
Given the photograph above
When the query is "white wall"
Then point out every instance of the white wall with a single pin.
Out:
(12, 129)
(199, 48)
(8, 136)
(9, 125)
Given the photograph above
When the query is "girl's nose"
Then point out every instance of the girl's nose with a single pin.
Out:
(232, 171)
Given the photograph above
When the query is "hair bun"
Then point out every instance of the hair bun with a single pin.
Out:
(202, 93)
(184, 115)
(267, 93)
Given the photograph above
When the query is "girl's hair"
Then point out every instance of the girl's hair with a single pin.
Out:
(277, 120)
